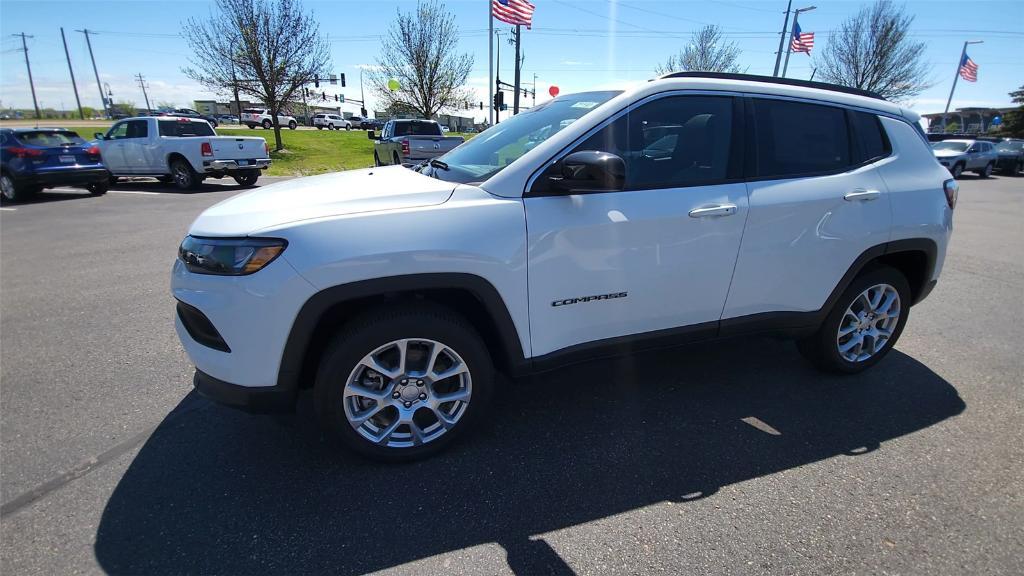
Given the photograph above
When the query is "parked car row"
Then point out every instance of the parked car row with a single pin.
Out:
(179, 150)
(980, 156)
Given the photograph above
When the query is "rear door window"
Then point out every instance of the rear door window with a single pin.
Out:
(870, 136)
(798, 139)
(137, 129)
(174, 128)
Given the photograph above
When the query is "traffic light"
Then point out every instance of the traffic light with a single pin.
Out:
(481, 105)
(323, 96)
(335, 97)
(316, 82)
(499, 100)
(362, 112)
(342, 79)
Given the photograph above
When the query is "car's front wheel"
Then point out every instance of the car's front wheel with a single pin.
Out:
(863, 325)
(267, 125)
(398, 384)
(292, 125)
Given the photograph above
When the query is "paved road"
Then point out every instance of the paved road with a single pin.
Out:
(719, 459)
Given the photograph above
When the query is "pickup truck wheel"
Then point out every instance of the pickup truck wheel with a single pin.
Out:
(319, 127)
(376, 159)
(402, 383)
(247, 178)
(98, 188)
(864, 323)
(987, 171)
(292, 125)
(395, 159)
(267, 124)
(185, 178)
(251, 126)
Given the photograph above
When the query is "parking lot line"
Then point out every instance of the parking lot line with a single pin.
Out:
(8, 209)
(133, 192)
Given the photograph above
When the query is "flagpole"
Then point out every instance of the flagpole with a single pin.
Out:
(490, 64)
(955, 78)
(789, 45)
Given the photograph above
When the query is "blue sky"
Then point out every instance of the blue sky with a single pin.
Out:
(574, 45)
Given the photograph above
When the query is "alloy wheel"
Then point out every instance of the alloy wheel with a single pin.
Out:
(868, 323)
(7, 187)
(407, 393)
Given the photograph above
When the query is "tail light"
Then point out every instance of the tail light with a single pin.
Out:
(266, 148)
(24, 152)
(952, 190)
(93, 151)
(405, 147)
(207, 149)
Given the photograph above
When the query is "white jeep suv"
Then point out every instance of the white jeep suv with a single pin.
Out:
(695, 206)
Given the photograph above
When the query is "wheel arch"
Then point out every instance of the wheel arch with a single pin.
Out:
(913, 257)
(328, 310)
(172, 156)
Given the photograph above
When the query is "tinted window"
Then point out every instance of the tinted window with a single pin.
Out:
(49, 138)
(175, 128)
(137, 129)
(415, 128)
(795, 138)
(870, 136)
(674, 141)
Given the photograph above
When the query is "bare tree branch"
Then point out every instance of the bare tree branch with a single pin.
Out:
(420, 52)
(267, 49)
(706, 52)
(873, 51)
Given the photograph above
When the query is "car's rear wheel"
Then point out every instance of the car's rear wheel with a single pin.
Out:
(98, 188)
(247, 178)
(292, 125)
(319, 127)
(957, 170)
(987, 170)
(403, 383)
(10, 190)
(185, 178)
(863, 325)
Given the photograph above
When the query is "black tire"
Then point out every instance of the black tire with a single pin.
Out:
(396, 160)
(185, 178)
(822, 347)
(113, 180)
(319, 127)
(958, 170)
(251, 126)
(376, 159)
(986, 171)
(292, 125)
(377, 328)
(1017, 169)
(12, 191)
(267, 124)
(247, 178)
(98, 188)
(348, 127)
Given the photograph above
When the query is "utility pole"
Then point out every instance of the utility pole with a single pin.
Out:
(955, 78)
(490, 62)
(72, 71)
(782, 38)
(497, 80)
(515, 98)
(103, 99)
(31, 84)
(534, 89)
(142, 84)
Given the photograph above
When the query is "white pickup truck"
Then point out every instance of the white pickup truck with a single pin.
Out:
(184, 151)
(408, 142)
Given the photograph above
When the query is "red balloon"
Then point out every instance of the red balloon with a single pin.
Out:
(553, 91)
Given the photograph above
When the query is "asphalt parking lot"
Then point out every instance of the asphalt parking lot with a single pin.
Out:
(725, 458)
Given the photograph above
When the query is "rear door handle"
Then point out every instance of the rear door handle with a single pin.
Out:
(719, 210)
(861, 195)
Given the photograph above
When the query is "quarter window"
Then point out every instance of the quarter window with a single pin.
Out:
(795, 138)
(870, 136)
(671, 142)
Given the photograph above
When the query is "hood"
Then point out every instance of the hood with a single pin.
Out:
(337, 194)
(947, 153)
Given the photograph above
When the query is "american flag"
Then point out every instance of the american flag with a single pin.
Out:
(802, 41)
(513, 11)
(968, 69)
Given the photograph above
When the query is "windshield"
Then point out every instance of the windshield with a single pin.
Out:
(49, 138)
(501, 144)
(1010, 147)
(955, 146)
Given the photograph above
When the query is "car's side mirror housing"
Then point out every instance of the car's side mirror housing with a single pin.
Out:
(371, 135)
(100, 136)
(973, 150)
(589, 171)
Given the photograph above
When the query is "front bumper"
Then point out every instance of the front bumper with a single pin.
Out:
(235, 165)
(263, 400)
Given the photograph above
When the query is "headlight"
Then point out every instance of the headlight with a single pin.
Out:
(229, 256)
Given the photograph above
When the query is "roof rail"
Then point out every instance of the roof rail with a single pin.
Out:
(775, 80)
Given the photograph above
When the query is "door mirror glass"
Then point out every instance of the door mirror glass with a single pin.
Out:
(99, 136)
(371, 135)
(590, 171)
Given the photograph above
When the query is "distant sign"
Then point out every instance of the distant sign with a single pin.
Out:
(997, 120)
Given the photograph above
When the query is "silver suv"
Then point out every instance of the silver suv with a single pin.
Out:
(961, 156)
(331, 122)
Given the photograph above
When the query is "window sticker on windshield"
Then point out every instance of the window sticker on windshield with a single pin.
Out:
(585, 105)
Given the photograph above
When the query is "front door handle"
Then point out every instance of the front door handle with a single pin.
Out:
(719, 210)
(861, 195)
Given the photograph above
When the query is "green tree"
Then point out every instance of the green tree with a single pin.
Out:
(1013, 122)
(952, 126)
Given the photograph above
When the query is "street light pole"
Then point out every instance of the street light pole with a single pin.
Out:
(789, 47)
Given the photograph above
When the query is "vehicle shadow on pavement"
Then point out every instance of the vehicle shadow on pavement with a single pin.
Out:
(152, 185)
(214, 490)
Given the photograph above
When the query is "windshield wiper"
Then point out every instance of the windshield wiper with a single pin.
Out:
(439, 164)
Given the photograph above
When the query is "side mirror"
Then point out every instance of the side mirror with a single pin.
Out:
(99, 136)
(371, 135)
(590, 171)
